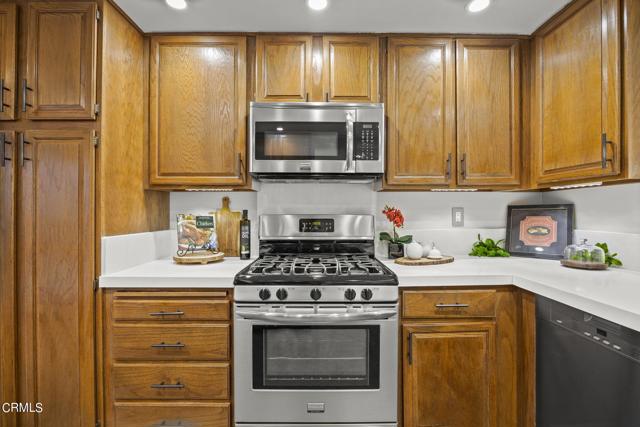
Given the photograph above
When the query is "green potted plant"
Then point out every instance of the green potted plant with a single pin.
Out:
(395, 242)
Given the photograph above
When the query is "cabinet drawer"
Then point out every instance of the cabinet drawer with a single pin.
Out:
(454, 303)
(170, 309)
(170, 342)
(183, 381)
(172, 414)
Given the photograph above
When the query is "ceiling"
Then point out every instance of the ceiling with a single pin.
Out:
(352, 16)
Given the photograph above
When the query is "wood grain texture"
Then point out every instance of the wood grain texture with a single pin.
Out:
(55, 275)
(125, 206)
(191, 309)
(508, 358)
(424, 261)
(577, 93)
(8, 198)
(351, 68)
(228, 229)
(203, 381)
(283, 68)
(198, 110)
(8, 58)
(631, 84)
(201, 342)
(488, 111)
(451, 377)
(145, 414)
(61, 60)
(421, 112)
(528, 359)
(422, 304)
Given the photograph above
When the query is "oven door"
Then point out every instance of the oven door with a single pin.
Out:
(301, 140)
(315, 364)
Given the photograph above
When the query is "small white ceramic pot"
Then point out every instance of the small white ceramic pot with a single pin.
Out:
(413, 250)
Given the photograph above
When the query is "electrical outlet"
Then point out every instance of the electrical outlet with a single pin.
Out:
(457, 217)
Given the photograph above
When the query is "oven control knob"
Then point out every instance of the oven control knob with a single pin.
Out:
(315, 294)
(366, 294)
(264, 294)
(350, 294)
(282, 294)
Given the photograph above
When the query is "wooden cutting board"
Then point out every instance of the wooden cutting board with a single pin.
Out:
(199, 258)
(424, 261)
(228, 229)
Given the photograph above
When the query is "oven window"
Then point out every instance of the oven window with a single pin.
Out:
(316, 357)
(300, 141)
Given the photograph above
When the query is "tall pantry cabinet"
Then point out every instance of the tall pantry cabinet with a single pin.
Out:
(48, 136)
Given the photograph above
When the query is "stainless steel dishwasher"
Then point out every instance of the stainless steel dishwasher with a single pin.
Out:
(588, 369)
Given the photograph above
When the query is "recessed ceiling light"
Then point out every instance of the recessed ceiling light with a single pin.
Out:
(177, 4)
(317, 4)
(475, 6)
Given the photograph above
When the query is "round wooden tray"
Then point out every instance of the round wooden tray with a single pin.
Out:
(583, 265)
(424, 261)
(198, 258)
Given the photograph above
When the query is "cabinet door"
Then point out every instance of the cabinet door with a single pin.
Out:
(420, 111)
(350, 72)
(197, 110)
(55, 277)
(576, 114)
(7, 275)
(7, 61)
(450, 375)
(61, 61)
(488, 111)
(283, 68)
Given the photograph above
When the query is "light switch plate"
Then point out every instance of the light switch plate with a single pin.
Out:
(457, 217)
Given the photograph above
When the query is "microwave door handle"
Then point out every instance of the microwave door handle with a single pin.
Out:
(350, 165)
(290, 318)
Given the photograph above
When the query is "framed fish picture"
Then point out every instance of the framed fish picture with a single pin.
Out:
(539, 231)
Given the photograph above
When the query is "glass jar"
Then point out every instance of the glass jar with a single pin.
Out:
(584, 253)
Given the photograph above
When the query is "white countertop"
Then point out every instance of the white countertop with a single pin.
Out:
(613, 294)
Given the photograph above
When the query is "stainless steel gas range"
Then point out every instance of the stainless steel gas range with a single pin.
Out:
(316, 326)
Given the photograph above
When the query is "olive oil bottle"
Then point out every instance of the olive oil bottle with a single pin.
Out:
(245, 236)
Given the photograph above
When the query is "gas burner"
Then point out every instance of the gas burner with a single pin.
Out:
(342, 265)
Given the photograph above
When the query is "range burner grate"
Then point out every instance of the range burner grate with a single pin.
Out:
(341, 265)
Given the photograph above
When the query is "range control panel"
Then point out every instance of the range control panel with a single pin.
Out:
(316, 225)
(366, 141)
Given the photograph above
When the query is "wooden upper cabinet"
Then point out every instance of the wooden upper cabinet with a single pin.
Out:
(56, 325)
(7, 61)
(350, 72)
(197, 110)
(488, 112)
(450, 375)
(283, 68)
(61, 61)
(420, 112)
(576, 125)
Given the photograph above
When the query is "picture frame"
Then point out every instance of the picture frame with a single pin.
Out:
(539, 231)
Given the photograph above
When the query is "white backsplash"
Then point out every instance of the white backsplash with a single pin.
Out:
(610, 214)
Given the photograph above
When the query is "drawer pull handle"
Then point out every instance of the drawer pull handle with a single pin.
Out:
(162, 385)
(164, 424)
(456, 305)
(163, 345)
(167, 313)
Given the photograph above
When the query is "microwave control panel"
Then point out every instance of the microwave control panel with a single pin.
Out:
(366, 141)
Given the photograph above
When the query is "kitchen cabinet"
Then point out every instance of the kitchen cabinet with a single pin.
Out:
(55, 270)
(8, 66)
(61, 61)
(420, 112)
(488, 112)
(450, 374)
(576, 124)
(350, 70)
(283, 68)
(197, 107)
(167, 358)
(7, 274)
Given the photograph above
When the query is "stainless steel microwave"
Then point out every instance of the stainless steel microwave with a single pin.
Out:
(316, 140)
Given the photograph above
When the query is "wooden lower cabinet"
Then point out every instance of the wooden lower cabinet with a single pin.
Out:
(466, 358)
(167, 358)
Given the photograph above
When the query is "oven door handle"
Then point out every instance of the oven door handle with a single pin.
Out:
(316, 318)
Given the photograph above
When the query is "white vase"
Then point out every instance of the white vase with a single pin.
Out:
(426, 248)
(413, 250)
